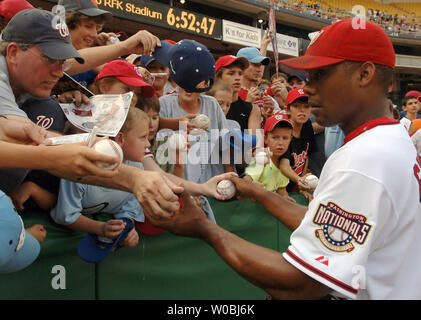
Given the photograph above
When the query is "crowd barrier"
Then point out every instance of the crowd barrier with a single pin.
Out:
(160, 267)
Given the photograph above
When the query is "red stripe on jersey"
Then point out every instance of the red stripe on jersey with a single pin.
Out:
(322, 274)
(369, 125)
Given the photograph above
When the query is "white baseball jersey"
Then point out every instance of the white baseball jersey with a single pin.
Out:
(362, 231)
(416, 139)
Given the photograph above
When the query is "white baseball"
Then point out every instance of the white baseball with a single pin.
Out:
(202, 121)
(177, 142)
(311, 181)
(111, 148)
(262, 158)
(226, 188)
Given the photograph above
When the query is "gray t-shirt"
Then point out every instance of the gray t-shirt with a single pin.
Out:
(9, 178)
(203, 161)
(8, 103)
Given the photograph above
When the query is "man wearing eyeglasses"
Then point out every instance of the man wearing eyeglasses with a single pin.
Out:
(33, 54)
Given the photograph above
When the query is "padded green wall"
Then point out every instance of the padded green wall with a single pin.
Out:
(162, 266)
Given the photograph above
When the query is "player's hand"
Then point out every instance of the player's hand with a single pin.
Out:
(75, 96)
(209, 187)
(245, 188)
(143, 42)
(21, 195)
(76, 160)
(112, 228)
(38, 232)
(187, 222)
(21, 130)
(156, 193)
(131, 240)
(252, 94)
(265, 40)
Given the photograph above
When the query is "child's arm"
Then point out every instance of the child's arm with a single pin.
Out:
(288, 172)
(150, 164)
(174, 123)
(43, 198)
(255, 120)
(110, 229)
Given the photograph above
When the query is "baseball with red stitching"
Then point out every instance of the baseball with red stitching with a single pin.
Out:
(111, 148)
(226, 188)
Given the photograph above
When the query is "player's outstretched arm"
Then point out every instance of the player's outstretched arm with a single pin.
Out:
(289, 213)
(264, 267)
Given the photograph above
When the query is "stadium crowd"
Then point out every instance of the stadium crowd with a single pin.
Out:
(265, 130)
(397, 23)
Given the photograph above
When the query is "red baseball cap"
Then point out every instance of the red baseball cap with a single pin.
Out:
(344, 41)
(414, 93)
(8, 8)
(295, 94)
(229, 59)
(127, 73)
(272, 121)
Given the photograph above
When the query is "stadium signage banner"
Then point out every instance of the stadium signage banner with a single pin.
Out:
(286, 45)
(241, 34)
(155, 13)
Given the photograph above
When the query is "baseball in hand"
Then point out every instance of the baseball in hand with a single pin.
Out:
(312, 181)
(201, 121)
(226, 188)
(262, 158)
(111, 148)
(177, 142)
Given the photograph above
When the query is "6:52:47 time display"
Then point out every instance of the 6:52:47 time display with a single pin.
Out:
(191, 22)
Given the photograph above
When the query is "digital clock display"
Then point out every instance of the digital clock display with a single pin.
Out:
(191, 22)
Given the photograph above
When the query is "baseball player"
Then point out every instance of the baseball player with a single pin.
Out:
(366, 208)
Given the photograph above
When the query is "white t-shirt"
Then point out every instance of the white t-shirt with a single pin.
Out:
(361, 233)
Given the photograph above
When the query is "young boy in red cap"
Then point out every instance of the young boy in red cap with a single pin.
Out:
(295, 162)
(277, 135)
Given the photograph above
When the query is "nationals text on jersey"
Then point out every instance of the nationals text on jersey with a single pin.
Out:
(340, 228)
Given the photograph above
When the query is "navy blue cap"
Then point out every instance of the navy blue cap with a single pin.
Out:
(18, 248)
(301, 77)
(86, 7)
(190, 63)
(146, 60)
(94, 248)
(34, 26)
